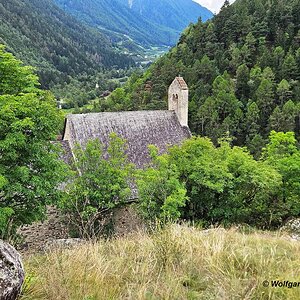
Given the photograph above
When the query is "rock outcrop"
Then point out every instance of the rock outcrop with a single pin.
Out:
(11, 272)
(292, 227)
(63, 243)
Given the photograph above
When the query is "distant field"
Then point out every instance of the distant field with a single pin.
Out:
(179, 262)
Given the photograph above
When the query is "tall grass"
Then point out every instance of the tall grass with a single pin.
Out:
(179, 262)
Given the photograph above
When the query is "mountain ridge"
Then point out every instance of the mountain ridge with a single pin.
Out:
(147, 26)
(185, 8)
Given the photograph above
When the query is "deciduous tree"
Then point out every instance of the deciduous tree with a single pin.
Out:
(30, 170)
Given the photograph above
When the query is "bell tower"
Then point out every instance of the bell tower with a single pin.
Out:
(178, 99)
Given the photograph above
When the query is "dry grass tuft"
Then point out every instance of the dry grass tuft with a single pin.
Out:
(179, 262)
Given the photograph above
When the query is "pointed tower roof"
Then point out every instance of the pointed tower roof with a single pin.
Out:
(181, 83)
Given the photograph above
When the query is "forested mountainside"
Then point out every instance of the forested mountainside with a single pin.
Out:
(61, 48)
(176, 14)
(243, 70)
(155, 22)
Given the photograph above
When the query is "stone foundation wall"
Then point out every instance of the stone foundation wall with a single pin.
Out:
(39, 234)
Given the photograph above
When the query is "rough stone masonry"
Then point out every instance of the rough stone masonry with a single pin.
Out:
(11, 272)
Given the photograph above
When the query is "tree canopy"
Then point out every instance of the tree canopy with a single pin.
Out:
(224, 185)
(101, 183)
(30, 171)
(242, 69)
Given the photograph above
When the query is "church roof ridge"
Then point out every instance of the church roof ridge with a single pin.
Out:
(128, 112)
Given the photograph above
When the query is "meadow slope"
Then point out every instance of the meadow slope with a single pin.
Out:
(179, 262)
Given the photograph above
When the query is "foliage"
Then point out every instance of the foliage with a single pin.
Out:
(226, 185)
(161, 194)
(282, 153)
(29, 167)
(6, 214)
(63, 50)
(242, 68)
(101, 184)
(223, 185)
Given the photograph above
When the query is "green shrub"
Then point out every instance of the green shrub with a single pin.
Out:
(101, 184)
(161, 194)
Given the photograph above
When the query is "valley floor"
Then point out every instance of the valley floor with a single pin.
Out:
(178, 262)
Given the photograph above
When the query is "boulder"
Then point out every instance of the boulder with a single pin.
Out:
(292, 227)
(11, 272)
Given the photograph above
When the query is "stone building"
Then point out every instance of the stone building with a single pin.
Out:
(178, 100)
(162, 128)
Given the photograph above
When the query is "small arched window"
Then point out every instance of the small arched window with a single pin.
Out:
(175, 102)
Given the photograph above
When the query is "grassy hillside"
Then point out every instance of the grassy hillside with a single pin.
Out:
(179, 262)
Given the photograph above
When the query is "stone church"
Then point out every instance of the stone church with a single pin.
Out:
(140, 129)
(162, 128)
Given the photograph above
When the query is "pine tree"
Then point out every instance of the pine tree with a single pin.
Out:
(276, 119)
(290, 68)
(289, 112)
(265, 99)
(284, 92)
(242, 79)
(252, 118)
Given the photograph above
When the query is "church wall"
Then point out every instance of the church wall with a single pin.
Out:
(67, 134)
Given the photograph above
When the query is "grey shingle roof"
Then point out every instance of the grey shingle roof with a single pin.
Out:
(139, 128)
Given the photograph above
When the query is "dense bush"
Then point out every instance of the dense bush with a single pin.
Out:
(161, 194)
(224, 184)
(100, 184)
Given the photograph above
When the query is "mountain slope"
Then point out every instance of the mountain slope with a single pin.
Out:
(243, 70)
(147, 22)
(169, 13)
(60, 47)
